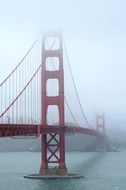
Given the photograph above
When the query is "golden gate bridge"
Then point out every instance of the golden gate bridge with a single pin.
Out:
(34, 102)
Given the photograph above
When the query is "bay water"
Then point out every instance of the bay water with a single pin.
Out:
(102, 171)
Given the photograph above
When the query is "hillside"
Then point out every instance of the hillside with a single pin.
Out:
(75, 142)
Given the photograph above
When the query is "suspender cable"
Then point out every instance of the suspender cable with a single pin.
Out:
(76, 88)
(12, 103)
(21, 60)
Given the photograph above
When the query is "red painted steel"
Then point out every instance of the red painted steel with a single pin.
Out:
(53, 136)
(8, 130)
(101, 140)
(53, 144)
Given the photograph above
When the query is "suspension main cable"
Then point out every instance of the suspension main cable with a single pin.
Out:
(71, 112)
(21, 60)
(27, 85)
(12, 103)
(75, 86)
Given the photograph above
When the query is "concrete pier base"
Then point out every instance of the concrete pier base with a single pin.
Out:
(68, 176)
(57, 171)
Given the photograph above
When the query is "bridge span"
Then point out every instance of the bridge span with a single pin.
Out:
(52, 135)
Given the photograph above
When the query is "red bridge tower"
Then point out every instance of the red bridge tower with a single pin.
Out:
(101, 140)
(53, 144)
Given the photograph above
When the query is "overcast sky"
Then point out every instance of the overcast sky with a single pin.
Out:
(95, 36)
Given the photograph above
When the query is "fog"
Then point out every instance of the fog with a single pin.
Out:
(95, 37)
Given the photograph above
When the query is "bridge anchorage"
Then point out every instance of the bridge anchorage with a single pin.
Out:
(53, 163)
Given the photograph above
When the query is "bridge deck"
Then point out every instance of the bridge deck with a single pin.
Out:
(7, 130)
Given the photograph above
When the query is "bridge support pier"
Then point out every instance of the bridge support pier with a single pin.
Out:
(53, 164)
(55, 171)
(53, 145)
(101, 141)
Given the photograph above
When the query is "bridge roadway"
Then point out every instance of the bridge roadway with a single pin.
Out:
(9, 130)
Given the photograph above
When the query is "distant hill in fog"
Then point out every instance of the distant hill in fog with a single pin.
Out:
(73, 142)
(118, 138)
